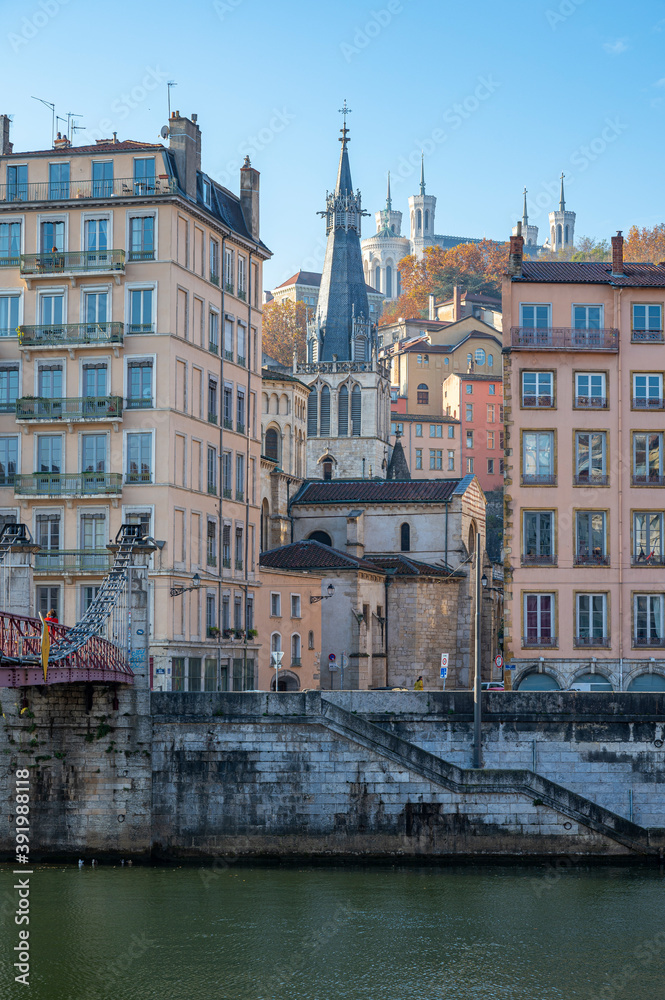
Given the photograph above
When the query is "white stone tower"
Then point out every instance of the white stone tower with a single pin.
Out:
(530, 233)
(562, 225)
(421, 211)
(383, 251)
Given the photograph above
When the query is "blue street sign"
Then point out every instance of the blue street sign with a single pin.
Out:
(444, 672)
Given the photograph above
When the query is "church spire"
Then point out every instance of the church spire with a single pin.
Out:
(422, 173)
(389, 203)
(562, 200)
(525, 216)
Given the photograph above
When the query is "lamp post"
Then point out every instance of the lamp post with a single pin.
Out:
(477, 688)
(277, 655)
(314, 599)
(196, 583)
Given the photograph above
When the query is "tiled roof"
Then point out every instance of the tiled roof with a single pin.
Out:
(313, 279)
(274, 375)
(400, 565)
(422, 418)
(472, 376)
(593, 272)
(417, 348)
(127, 145)
(312, 555)
(380, 491)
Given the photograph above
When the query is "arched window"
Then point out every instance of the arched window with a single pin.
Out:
(566, 235)
(405, 537)
(490, 360)
(360, 349)
(325, 411)
(389, 282)
(320, 536)
(377, 278)
(398, 283)
(426, 220)
(356, 412)
(312, 406)
(327, 467)
(275, 642)
(295, 650)
(558, 235)
(480, 356)
(552, 237)
(310, 640)
(343, 412)
(647, 682)
(597, 682)
(538, 682)
(265, 525)
(419, 220)
(272, 444)
(422, 393)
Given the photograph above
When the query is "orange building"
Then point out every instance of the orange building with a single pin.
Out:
(477, 402)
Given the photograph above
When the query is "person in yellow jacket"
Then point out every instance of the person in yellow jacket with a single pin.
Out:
(418, 686)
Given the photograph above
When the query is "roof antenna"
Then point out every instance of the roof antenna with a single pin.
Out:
(169, 84)
(52, 107)
(72, 126)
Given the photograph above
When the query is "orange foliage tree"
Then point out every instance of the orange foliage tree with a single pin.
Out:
(285, 330)
(645, 245)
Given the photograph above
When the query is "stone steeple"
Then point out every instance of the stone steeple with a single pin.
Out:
(341, 328)
(530, 233)
(398, 467)
(562, 225)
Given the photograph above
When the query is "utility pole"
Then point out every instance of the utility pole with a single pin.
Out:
(477, 689)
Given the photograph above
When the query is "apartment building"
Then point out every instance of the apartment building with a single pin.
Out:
(477, 402)
(130, 380)
(584, 472)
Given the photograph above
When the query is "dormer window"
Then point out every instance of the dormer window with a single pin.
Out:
(58, 180)
(144, 175)
(206, 191)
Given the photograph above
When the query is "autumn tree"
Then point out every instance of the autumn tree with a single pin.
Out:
(645, 245)
(285, 330)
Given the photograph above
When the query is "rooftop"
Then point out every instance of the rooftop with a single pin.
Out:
(312, 555)
(380, 491)
(274, 375)
(592, 273)
(312, 279)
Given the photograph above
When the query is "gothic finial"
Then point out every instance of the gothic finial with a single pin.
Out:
(422, 172)
(389, 203)
(344, 110)
(562, 200)
(525, 217)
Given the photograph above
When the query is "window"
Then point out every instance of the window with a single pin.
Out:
(647, 319)
(490, 466)
(9, 307)
(93, 452)
(228, 338)
(211, 608)
(451, 430)
(648, 392)
(52, 236)
(276, 606)
(226, 613)
(17, 183)
(405, 537)
(10, 243)
(49, 381)
(242, 277)
(139, 458)
(48, 599)
(587, 317)
(469, 466)
(58, 181)
(237, 613)
(490, 440)
(419, 430)
(140, 310)
(211, 542)
(144, 176)
(539, 620)
(213, 332)
(648, 459)
(469, 389)
(240, 411)
(295, 605)
(648, 538)
(590, 458)
(249, 613)
(537, 389)
(228, 406)
(139, 384)
(212, 470)
(538, 458)
(48, 534)
(356, 411)
(479, 356)
(590, 390)
(591, 620)
(469, 362)
(535, 317)
(396, 428)
(214, 260)
(451, 461)
(93, 541)
(295, 651)
(227, 475)
(469, 411)
(240, 477)
(422, 394)
(435, 458)
(419, 458)
(49, 453)
(538, 538)
(648, 620)
(436, 430)
(9, 386)
(469, 439)
(272, 444)
(325, 411)
(591, 538)
(242, 341)
(102, 178)
(142, 237)
(312, 412)
(228, 270)
(212, 400)
(310, 640)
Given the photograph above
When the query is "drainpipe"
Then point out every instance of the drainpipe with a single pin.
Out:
(388, 581)
(248, 359)
(446, 555)
(617, 307)
(220, 516)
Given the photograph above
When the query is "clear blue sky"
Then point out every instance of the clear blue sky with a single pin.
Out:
(573, 85)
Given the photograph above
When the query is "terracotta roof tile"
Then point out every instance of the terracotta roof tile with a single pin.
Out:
(313, 555)
(377, 491)
(592, 272)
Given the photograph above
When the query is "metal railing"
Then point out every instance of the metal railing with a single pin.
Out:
(212, 417)
(70, 333)
(242, 294)
(592, 640)
(242, 361)
(214, 279)
(228, 424)
(529, 559)
(641, 403)
(138, 403)
(138, 477)
(76, 560)
(71, 262)
(562, 338)
(60, 484)
(589, 559)
(141, 255)
(538, 480)
(541, 640)
(74, 408)
(533, 401)
(8, 260)
(228, 355)
(74, 190)
(213, 347)
(650, 479)
(227, 493)
(584, 479)
(591, 402)
(647, 336)
(640, 641)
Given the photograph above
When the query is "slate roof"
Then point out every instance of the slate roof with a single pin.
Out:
(593, 272)
(380, 491)
(313, 555)
(313, 279)
(401, 565)
(272, 374)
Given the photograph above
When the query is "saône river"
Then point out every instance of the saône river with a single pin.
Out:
(558, 930)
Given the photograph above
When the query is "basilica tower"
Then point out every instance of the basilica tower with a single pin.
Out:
(562, 225)
(422, 207)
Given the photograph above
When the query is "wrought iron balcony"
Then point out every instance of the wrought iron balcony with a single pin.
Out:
(72, 262)
(227, 493)
(534, 641)
(533, 401)
(650, 559)
(538, 480)
(591, 402)
(73, 561)
(64, 484)
(214, 278)
(242, 294)
(584, 479)
(138, 477)
(590, 559)
(560, 338)
(76, 408)
(74, 190)
(641, 403)
(8, 260)
(582, 641)
(75, 334)
(642, 641)
(647, 336)
(531, 559)
(647, 479)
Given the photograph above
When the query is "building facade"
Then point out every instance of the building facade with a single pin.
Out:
(477, 402)
(130, 372)
(584, 473)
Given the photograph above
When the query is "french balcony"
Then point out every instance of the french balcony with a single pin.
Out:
(214, 279)
(561, 338)
(540, 641)
(585, 641)
(646, 336)
(58, 335)
(544, 479)
(136, 477)
(63, 484)
(70, 561)
(590, 559)
(69, 410)
(647, 479)
(88, 190)
(647, 559)
(531, 559)
(648, 642)
(584, 479)
(591, 402)
(72, 264)
(531, 401)
(641, 403)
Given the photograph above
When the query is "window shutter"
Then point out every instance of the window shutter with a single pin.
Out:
(312, 404)
(325, 411)
(343, 414)
(356, 411)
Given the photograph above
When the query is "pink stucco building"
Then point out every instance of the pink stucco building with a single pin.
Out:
(584, 364)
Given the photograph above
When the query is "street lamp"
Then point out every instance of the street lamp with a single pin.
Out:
(322, 597)
(277, 655)
(196, 583)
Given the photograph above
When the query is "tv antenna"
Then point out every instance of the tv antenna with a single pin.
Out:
(72, 127)
(52, 107)
(169, 84)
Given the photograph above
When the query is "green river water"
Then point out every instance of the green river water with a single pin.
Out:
(345, 931)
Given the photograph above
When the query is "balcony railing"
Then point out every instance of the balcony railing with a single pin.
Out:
(228, 424)
(647, 336)
(73, 560)
(648, 479)
(296, 661)
(530, 559)
(532, 401)
(213, 347)
(240, 495)
(228, 287)
(211, 559)
(652, 559)
(591, 402)
(138, 477)
(136, 403)
(561, 338)
(228, 355)
(584, 479)
(212, 417)
(590, 559)
(214, 278)
(140, 328)
(242, 294)
(640, 403)
(81, 334)
(62, 484)
(539, 640)
(238, 563)
(7, 260)
(75, 408)
(641, 641)
(592, 640)
(240, 428)
(226, 562)
(227, 493)
(89, 189)
(74, 262)
(142, 254)
(242, 361)
(538, 480)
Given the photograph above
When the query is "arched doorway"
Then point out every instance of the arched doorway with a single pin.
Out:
(538, 682)
(288, 681)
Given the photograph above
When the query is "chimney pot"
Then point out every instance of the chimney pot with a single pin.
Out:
(516, 252)
(195, 118)
(6, 146)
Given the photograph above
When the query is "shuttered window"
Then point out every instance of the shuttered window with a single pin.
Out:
(343, 414)
(312, 404)
(356, 411)
(325, 411)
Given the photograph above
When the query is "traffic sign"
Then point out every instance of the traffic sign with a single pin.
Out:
(444, 672)
(332, 657)
(510, 666)
(444, 662)
(498, 660)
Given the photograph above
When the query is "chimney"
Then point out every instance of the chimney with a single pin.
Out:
(355, 533)
(431, 306)
(249, 197)
(185, 144)
(617, 253)
(6, 146)
(516, 250)
(61, 141)
(457, 303)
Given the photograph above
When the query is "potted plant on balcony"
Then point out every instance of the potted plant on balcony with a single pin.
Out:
(213, 631)
(239, 633)
(252, 633)
(227, 633)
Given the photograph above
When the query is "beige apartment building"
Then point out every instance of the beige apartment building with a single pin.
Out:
(584, 473)
(130, 386)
